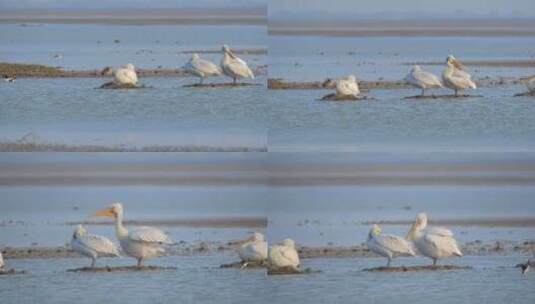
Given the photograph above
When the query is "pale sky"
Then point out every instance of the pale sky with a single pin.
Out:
(304, 9)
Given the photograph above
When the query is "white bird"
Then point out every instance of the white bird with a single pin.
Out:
(9, 79)
(92, 246)
(254, 250)
(201, 67)
(126, 75)
(2, 264)
(455, 78)
(530, 83)
(234, 67)
(434, 243)
(388, 246)
(141, 243)
(347, 86)
(284, 255)
(422, 79)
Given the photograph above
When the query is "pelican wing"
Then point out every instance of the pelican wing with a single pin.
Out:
(428, 79)
(440, 231)
(99, 244)
(346, 87)
(206, 67)
(149, 235)
(395, 244)
(240, 67)
(290, 254)
(126, 76)
(441, 243)
(255, 251)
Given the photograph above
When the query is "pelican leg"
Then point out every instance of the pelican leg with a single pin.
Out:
(244, 265)
(388, 263)
(434, 262)
(139, 261)
(93, 261)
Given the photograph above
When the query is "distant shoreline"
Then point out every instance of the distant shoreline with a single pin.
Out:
(136, 17)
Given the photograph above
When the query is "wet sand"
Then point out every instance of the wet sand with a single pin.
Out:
(247, 16)
(417, 268)
(366, 85)
(41, 71)
(405, 28)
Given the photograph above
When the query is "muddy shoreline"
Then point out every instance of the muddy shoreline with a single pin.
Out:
(474, 248)
(20, 70)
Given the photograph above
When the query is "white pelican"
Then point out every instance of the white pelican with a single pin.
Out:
(435, 243)
(201, 67)
(233, 66)
(126, 75)
(9, 79)
(254, 250)
(530, 83)
(455, 78)
(388, 246)
(92, 246)
(422, 79)
(284, 255)
(141, 243)
(2, 264)
(347, 86)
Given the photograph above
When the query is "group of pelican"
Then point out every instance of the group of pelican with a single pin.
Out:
(454, 77)
(435, 243)
(231, 66)
(141, 243)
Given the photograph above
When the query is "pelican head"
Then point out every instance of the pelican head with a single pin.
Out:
(288, 243)
(416, 68)
(79, 232)
(115, 211)
(421, 220)
(130, 67)
(376, 230)
(352, 78)
(257, 237)
(195, 56)
(225, 48)
(452, 61)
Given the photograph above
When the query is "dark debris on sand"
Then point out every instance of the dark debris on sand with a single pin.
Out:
(289, 271)
(417, 268)
(442, 96)
(250, 265)
(525, 94)
(11, 272)
(116, 86)
(220, 85)
(334, 97)
(121, 268)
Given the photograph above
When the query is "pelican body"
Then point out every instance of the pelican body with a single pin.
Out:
(233, 66)
(141, 243)
(455, 78)
(434, 243)
(388, 246)
(254, 250)
(92, 246)
(347, 86)
(284, 255)
(126, 75)
(2, 264)
(201, 67)
(530, 84)
(422, 79)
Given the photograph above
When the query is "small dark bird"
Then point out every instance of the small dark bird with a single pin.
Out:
(526, 266)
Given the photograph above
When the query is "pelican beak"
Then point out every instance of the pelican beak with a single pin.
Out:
(105, 213)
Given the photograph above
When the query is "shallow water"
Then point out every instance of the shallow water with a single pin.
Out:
(91, 47)
(197, 279)
(299, 121)
(302, 58)
(72, 112)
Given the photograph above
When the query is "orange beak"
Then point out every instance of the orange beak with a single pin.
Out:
(105, 213)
